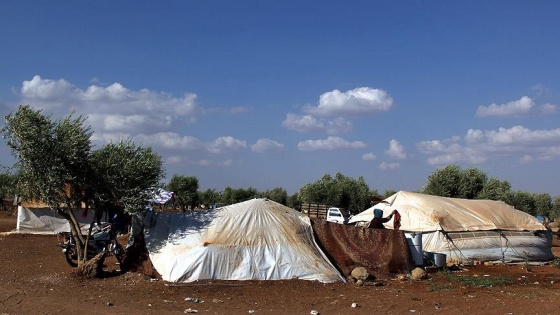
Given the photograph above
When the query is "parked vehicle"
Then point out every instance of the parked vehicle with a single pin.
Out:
(337, 215)
(103, 239)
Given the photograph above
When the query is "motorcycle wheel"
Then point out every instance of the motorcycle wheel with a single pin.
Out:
(71, 256)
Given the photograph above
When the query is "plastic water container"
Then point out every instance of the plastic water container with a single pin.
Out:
(415, 245)
(440, 259)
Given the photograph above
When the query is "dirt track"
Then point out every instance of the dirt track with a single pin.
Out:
(36, 280)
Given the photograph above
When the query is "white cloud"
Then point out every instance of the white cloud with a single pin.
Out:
(540, 90)
(548, 108)
(310, 123)
(170, 141)
(389, 166)
(359, 101)
(396, 150)
(225, 144)
(479, 146)
(114, 108)
(369, 156)
(526, 159)
(331, 143)
(266, 145)
(519, 107)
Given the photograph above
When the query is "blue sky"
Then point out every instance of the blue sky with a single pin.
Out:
(269, 94)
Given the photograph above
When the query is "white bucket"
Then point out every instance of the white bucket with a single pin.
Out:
(415, 245)
(440, 259)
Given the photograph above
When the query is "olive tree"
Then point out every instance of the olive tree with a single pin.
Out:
(444, 182)
(209, 197)
(185, 191)
(58, 167)
(124, 174)
(7, 188)
(543, 204)
(555, 212)
(523, 201)
(53, 158)
(277, 194)
(340, 190)
(471, 183)
(496, 189)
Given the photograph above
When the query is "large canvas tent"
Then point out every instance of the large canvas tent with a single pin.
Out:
(258, 239)
(46, 221)
(467, 230)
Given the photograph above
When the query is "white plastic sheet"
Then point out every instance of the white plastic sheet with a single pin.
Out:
(257, 239)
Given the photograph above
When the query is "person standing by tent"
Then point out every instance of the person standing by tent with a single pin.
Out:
(378, 219)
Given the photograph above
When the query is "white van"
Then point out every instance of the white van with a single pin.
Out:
(337, 215)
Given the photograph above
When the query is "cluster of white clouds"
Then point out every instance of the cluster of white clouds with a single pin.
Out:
(478, 146)
(115, 112)
(521, 107)
(155, 119)
(332, 116)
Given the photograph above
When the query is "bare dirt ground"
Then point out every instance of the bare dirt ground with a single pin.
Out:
(34, 279)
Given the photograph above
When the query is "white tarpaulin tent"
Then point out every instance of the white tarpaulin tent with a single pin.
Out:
(47, 221)
(258, 239)
(466, 229)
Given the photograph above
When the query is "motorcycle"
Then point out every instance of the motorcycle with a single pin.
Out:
(103, 239)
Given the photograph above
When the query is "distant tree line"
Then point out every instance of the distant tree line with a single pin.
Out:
(355, 195)
(352, 194)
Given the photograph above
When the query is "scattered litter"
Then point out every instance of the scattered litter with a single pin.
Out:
(314, 312)
(217, 301)
(354, 305)
(190, 310)
(194, 300)
(251, 311)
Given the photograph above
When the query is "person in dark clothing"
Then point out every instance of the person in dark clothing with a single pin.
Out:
(378, 219)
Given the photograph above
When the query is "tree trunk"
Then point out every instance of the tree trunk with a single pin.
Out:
(92, 268)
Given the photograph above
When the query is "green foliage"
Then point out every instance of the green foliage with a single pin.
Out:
(556, 262)
(543, 204)
(555, 212)
(523, 201)
(185, 191)
(440, 287)
(8, 184)
(341, 191)
(124, 173)
(52, 156)
(481, 281)
(294, 201)
(208, 197)
(58, 167)
(444, 182)
(496, 189)
(230, 196)
(277, 194)
(471, 183)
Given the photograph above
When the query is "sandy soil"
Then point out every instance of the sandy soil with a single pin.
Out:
(35, 280)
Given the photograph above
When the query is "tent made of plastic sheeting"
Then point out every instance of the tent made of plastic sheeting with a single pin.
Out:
(258, 239)
(465, 229)
(47, 221)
